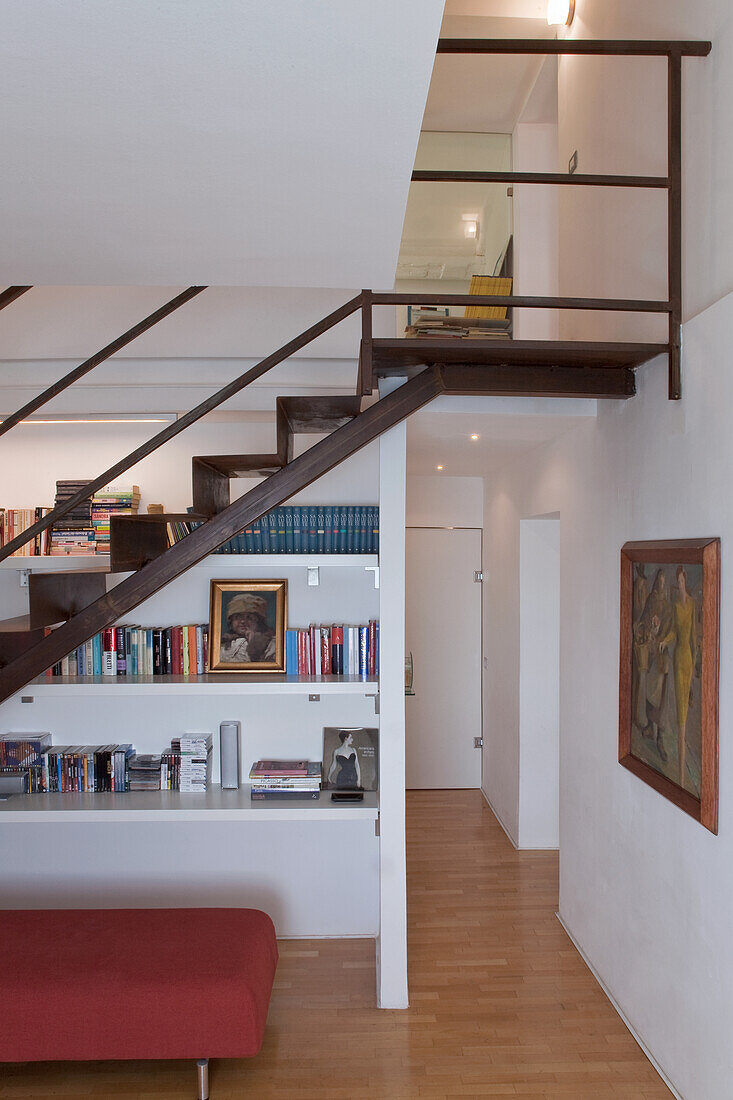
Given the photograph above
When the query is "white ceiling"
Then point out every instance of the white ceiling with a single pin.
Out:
(440, 434)
(483, 92)
(218, 142)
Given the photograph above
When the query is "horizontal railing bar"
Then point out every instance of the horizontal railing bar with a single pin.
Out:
(183, 422)
(619, 305)
(11, 294)
(576, 179)
(89, 364)
(602, 47)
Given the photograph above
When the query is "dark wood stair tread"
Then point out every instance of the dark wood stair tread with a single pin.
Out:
(406, 356)
(242, 465)
(319, 414)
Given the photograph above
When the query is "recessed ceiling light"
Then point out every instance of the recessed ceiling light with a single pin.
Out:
(438, 467)
(474, 436)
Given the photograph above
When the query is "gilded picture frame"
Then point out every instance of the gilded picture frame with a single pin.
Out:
(669, 668)
(247, 621)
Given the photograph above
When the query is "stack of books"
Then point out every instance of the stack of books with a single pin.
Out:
(170, 769)
(285, 780)
(143, 772)
(13, 521)
(24, 760)
(195, 760)
(73, 533)
(333, 650)
(114, 500)
(461, 328)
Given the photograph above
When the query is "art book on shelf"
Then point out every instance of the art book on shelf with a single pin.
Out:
(350, 758)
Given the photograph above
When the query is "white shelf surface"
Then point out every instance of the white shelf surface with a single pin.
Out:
(210, 683)
(215, 805)
(223, 561)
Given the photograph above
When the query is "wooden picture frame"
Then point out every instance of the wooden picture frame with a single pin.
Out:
(247, 621)
(668, 672)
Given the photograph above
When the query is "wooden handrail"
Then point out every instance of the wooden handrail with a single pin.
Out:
(576, 179)
(620, 305)
(94, 360)
(183, 422)
(598, 47)
(11, 294)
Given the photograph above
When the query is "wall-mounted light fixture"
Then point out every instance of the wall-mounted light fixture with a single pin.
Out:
(560, 12)
(470, 226)
(438, 467)
(165, 419)
(474, 436)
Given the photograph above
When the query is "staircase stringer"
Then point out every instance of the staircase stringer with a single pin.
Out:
(271, 493)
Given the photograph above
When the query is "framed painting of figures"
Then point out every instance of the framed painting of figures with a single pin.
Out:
(668, 684)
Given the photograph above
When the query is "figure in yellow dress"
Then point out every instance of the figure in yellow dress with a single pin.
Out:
(684, 635)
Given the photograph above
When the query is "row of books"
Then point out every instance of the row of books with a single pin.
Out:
(310, 529)
(90, 769)
(333, 650)
(140, 651)
(14, 521)
(285, 780)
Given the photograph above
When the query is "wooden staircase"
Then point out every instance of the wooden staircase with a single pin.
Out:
(67, 608)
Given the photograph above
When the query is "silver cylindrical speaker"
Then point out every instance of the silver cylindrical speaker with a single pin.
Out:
(229, 754)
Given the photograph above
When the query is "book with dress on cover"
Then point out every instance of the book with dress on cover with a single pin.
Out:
(350, 758)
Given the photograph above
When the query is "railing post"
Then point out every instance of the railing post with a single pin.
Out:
(674, 218)
(366, 378)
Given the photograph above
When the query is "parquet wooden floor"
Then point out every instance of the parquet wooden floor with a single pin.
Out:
(501, 1003)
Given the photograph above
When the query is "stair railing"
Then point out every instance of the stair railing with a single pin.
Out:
(183, 422)
(364, 301)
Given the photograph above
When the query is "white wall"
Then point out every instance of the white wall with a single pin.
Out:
(445, 501)
(644, 889)
(539, 682)
(535, 229)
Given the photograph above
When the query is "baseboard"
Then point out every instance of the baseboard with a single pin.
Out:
(510, 838)
(620, 1011)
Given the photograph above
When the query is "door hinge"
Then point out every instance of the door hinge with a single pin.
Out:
(478, 742)
(478, 576)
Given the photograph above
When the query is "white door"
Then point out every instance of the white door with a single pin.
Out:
(443, 633)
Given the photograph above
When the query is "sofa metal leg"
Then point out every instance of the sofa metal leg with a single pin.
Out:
(202, 1065)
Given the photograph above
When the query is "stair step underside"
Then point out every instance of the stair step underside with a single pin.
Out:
(250, 465)
(54, 597)
(408, 356)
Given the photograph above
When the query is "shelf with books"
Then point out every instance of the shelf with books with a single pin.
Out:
(207, 684)
(222, 561)
(213, 805)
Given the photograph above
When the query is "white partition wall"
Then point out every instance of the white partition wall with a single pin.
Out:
(392, 942)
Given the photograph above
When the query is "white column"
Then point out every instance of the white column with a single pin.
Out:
(392, 939)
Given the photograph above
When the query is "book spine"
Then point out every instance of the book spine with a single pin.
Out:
(109, 654)
(364, 651)
(337, 650)
(120, 650)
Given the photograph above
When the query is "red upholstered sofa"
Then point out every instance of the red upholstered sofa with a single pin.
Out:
(134, 983)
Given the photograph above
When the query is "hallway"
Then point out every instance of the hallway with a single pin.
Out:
(501, 1003)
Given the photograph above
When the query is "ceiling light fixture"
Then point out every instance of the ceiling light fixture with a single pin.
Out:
(438, 467)
(560, 12)
(474, 436)
(99, 420)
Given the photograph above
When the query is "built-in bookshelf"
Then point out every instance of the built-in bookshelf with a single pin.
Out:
(213, 805)
(210, 683)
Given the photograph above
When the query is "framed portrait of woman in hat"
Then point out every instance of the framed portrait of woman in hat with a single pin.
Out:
(247, 626)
